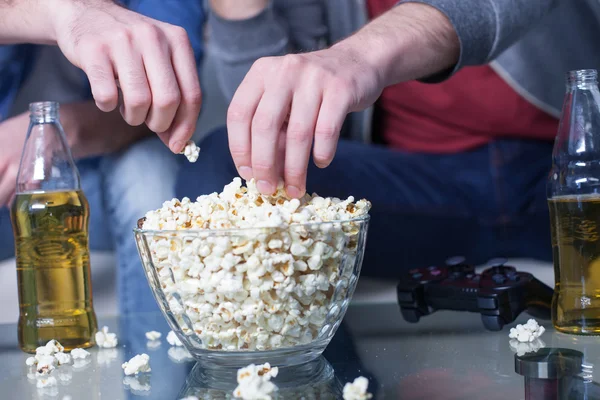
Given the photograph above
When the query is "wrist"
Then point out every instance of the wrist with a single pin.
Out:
(238, 10)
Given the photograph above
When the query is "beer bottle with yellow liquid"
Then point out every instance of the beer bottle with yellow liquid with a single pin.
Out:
(50, 218)
(574, 202)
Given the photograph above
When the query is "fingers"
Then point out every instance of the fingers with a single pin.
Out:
(266, 126)
(161, 79)
(239, 120)
(186, 73)
(329, 123)
(131, 73)
(99, 70)
(8, 182)
(299, 139)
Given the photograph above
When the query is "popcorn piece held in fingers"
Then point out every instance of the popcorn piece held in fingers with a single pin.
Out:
(191, 151)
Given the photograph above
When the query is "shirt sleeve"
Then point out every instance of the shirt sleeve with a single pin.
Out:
(188, 14)
(235, 45)
(486, 28)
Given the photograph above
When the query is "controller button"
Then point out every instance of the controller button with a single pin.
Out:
(435, 272)
(432, 268)
(418, 275)
(487, 303)
(499, 279)
(470, 276)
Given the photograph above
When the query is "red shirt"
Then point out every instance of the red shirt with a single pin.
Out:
(468, 110)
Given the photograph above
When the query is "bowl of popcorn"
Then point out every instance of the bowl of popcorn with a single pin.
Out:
(246, 278)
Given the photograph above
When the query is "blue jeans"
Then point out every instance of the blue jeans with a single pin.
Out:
(484, 203)
(120, 188)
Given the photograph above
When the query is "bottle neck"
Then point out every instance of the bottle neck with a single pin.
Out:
(45, 112)
(585, 79)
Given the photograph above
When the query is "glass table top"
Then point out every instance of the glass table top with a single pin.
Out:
(448, 355)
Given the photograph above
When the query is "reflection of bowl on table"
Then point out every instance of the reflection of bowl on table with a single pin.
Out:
(233, 301)
(313, 380)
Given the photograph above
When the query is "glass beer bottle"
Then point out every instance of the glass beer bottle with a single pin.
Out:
(50, 218)
(574, 203)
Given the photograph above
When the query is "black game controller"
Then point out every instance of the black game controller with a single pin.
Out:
(499, 294)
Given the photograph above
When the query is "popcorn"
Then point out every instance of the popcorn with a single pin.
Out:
(528, 332)
(31, 361)
(189, 398)
(106, 339)
(357, 390)
(179, 355)
(528, 347)
(173, 340)
(79, 354)
(62, 358)
(269, 286)
(191, 151)
(139, 363)
(254, 382)
(46, 382)
(153, 335)
(45, 365)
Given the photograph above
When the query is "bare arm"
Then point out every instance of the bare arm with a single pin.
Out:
(238, 10)
(410, 41)
(153, 61)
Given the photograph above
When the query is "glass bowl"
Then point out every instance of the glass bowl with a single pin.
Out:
(254, 295)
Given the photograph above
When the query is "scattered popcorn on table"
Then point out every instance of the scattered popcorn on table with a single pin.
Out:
(62, 358)
(357, 390)
(45, 365)
(173, 340)
(528, 347)
(79, 354)
(106, 339)
(189, 398)
(528, 332)
(269, 287)
(254, 382)
(179, 355)
(191, 151)
(153, 344)
(153, 335)
(46, 382)
(31, 361)
(139, 363)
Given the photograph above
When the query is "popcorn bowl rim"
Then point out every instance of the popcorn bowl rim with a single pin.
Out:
(140, 230)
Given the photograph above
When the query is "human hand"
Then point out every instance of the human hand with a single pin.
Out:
(152, 61)
(296, 99)
(238, 10)
(12, 136)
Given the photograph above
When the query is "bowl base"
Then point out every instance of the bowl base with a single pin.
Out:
(282, 358)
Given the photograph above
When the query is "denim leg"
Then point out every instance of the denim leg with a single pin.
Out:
(425, 207)
(100, 239)
(136, 181)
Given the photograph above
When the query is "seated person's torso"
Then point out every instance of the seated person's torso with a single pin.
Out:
(468, 110)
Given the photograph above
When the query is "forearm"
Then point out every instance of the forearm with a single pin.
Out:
(410, 41)
(91, 132)
(238, 10)
(30, 21)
